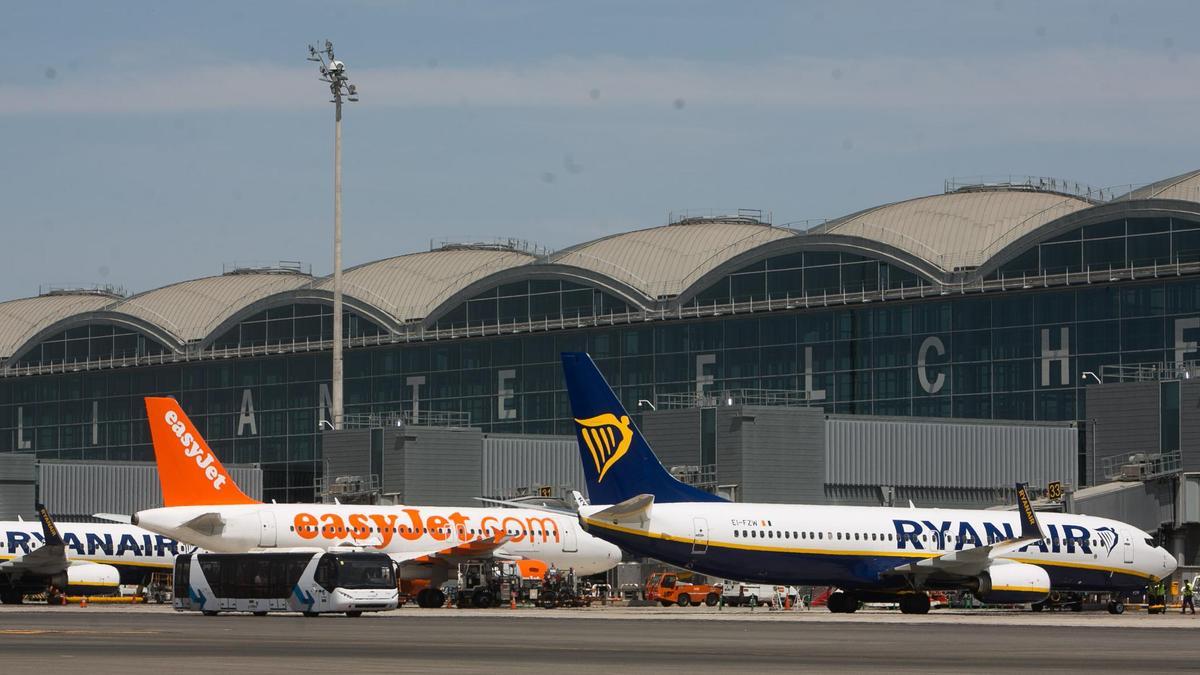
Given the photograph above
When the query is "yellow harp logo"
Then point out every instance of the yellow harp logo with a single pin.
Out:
(607, 438)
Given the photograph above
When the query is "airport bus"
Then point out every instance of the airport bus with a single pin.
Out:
(312, 583)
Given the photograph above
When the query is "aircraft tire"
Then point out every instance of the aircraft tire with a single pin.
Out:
(711, 599)
(914, 604)
(1116, 607)
(835, 604)
(1037, 606)
(684, 600)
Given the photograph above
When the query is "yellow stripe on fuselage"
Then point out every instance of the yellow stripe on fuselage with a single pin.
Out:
(114, 563)
(1019, 589)
(820, 551)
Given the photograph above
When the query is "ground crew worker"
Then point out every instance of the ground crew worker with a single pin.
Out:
(1188, 601)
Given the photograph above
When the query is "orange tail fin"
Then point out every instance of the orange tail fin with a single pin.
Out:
(189, 472)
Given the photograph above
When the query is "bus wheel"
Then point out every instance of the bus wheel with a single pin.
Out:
(684, 600)
(312, 614)
(354, 614)
(260, 614)
(209, 612)
(711, 599)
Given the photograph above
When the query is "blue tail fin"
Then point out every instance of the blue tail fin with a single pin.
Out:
(617, 461)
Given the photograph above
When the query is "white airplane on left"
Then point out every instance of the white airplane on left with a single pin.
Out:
(78, 558)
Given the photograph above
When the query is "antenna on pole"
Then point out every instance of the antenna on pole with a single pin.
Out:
(333, 73)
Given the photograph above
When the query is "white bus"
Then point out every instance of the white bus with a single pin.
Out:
(313, 583)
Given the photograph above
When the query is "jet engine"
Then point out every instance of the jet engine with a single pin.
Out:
(1012, 583)
(88, 579)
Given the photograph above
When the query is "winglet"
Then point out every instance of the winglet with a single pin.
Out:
(1030, 528)
(49, 529)
(188, 470)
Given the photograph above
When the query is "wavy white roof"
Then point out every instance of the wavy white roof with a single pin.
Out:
(662, 261)
(958, 229)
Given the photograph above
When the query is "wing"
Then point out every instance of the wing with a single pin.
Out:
(484, 547)
(972, 561)
(49, 558)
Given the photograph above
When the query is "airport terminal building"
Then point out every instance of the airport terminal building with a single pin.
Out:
(988, 301)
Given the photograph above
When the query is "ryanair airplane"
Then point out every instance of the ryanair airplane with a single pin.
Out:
(868, 553)
(78, 558)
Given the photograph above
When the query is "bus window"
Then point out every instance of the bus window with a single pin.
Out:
(326, 575)
(359, 571)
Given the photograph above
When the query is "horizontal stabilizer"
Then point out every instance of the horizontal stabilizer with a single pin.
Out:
(632, 509)
(209, 524)
(526, 505)
(114, 517)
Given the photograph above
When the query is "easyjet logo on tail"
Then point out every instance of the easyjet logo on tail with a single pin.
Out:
(607, 438)
(204, 459)
(189, 472)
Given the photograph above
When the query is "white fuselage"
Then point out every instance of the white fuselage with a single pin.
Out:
(122, 546)
(853, 547)
(402, 531)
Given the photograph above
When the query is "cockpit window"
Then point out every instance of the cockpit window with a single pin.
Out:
(1150, 542)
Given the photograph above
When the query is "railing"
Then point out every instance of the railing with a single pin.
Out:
(105, 290)
(400, 418)
(747, 215)
(1149, 372)
(262, 267)
(703, 476)
(763, 397)
(416, 332)
(347, 487)
(1141, 466)
(1032, 183)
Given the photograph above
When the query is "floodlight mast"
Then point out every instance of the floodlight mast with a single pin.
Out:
(333, 73)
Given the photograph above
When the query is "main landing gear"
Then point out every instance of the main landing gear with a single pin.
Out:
(430, 597)
(842, 602)
(916, 603)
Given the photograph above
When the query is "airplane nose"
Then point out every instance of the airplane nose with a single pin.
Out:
(1169, 562)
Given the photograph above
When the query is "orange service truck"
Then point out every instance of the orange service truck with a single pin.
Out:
(667, 589)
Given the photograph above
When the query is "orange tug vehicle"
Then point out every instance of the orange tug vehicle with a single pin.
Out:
(667, 589)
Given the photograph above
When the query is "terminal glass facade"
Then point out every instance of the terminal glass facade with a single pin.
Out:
(1015, 354)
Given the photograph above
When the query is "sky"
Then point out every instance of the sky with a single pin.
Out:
(146, 143)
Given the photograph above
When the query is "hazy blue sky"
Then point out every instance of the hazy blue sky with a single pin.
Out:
(150, 142)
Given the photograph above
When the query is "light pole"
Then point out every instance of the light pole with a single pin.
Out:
(333, 73)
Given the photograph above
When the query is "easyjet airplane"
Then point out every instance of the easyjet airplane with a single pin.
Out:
(869, 553)
(204, 507)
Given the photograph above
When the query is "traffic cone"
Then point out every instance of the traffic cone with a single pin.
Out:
(512, 602)
(83, 601)
(787, 602)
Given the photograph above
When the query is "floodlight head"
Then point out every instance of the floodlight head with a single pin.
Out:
(352, 90)
(337, 67)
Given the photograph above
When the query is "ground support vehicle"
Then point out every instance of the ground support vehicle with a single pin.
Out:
(667, 589)
(312, 583)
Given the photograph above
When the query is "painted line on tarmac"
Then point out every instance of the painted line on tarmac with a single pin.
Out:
(69, 631)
